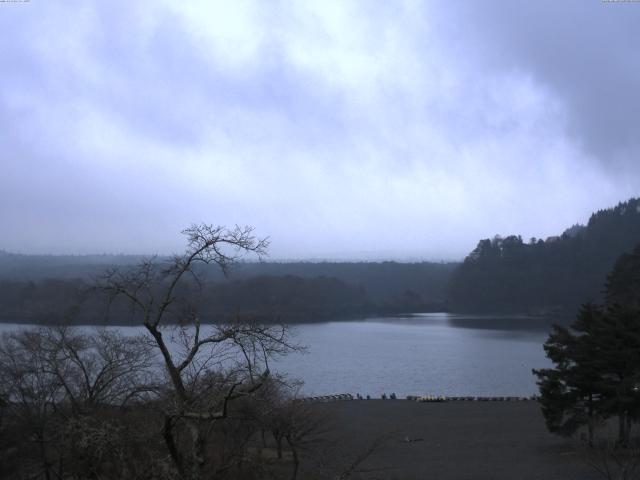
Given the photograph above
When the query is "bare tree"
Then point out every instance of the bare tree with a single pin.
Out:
(293, 425)
(614, 461)
(30, 393)
(90, 400)
(104, 367)
(208, 367)
(55, 377)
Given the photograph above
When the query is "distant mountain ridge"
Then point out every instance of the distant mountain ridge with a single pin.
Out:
(507, 274)
(41, 288)
(382, 280)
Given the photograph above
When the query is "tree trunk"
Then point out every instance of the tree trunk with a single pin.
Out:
(590, 420)
(623, 433)
(43, 454)
(197, 451)
(296, 459)
(167, 433)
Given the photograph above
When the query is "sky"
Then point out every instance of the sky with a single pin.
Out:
(360, 130)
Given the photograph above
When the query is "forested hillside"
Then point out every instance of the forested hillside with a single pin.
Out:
(559, 273)
(49, 288)
(384, 282)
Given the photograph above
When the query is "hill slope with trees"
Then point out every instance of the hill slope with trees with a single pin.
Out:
(552, 275)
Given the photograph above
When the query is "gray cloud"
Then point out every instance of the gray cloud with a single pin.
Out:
(340, 129)
(584, 51)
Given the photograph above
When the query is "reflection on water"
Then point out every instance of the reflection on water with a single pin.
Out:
(483, 322)
(440, 354)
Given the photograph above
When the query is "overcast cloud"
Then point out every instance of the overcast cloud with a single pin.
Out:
(346, 129)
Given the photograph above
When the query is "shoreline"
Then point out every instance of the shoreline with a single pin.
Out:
(347, 397)
(454, 440)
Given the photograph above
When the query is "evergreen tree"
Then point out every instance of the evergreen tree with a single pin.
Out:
(596, 372)
(623, 283)
(556, 274)
(617, 360)
(568, 393)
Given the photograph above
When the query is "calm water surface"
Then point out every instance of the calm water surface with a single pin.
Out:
(438, 354)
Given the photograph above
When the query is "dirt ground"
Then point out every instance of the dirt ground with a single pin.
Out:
(454, 440)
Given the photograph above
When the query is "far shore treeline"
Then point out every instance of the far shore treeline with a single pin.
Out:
(505, 274)
(267, 292)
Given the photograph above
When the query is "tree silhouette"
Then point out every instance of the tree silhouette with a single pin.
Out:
(597, 362)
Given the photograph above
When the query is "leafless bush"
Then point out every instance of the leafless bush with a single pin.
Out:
(613, 461)
(53, 377)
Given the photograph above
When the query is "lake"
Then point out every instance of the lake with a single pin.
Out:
(421, 354)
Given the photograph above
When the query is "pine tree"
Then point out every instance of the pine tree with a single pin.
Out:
(569, 393)
(623, 283)
(596, 372)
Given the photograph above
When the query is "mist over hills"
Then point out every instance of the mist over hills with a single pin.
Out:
(16, 266)
(502, 274)
(37, 288)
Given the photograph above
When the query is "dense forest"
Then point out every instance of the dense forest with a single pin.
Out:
(384, 282)
(543, 276)
(49, 288)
